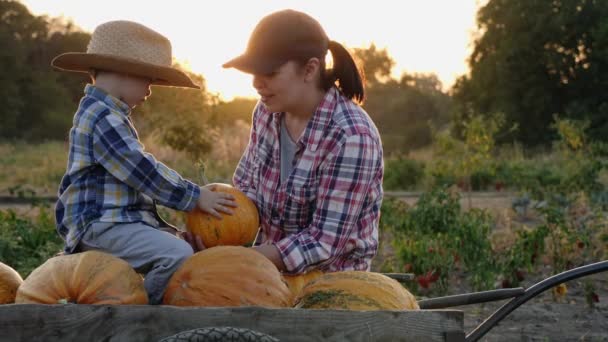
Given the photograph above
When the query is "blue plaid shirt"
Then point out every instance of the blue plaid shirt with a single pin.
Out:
(109, 177)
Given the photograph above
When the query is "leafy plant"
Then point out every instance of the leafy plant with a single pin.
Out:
(436, 236)
(25, 243)
(401, 173)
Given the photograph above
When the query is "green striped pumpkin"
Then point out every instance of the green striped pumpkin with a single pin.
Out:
(355, 290)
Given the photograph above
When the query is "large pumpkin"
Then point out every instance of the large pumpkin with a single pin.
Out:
(83, 278)
(232, 230)
(10, 281)
(227, 276)
(356, 290)
(295, 283)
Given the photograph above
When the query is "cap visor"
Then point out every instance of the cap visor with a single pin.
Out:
(254, 65)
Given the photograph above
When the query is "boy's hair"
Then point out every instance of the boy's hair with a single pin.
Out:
(129, 48)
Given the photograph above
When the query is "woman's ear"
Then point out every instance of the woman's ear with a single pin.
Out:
(311, 69)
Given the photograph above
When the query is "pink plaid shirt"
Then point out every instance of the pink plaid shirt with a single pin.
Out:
(325, 214)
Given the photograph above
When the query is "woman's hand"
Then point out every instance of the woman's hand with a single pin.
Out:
(272, 253)
(194, 240)
(213, 202)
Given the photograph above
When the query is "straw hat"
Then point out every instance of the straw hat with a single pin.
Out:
(129, 48)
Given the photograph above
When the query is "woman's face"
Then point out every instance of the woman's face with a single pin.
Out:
(283, 89)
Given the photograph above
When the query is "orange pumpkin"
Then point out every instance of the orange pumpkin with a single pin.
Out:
(10, 281)
(356, 290)
(295, 283)
(227, 276)
(232, 230)
(83, 278)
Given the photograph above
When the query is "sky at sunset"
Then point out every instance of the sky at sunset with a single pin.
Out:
(421, 36)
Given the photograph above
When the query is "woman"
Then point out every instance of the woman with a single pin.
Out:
(313, 165)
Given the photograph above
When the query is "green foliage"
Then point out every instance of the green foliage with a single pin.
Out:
(376, 64)
(482, 180)
(26, 242)
(436, 236)
(178, 117)
(223, 114)
(532, 59)
(460, 160)
(404, 110)
(37, 104)
(401, 173)
(32, 167)
(523, 255)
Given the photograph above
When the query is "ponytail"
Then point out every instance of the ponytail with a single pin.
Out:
(345, 73)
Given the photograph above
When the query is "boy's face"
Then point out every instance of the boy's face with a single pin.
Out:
(134, 90)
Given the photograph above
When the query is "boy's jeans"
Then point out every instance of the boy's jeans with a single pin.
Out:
(155, 253)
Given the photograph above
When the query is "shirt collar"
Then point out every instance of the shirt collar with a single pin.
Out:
(315, 130)
(109, 100)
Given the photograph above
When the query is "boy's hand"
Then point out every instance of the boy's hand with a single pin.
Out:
(214, 202)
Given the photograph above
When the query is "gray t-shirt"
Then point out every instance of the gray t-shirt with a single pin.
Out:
(288, 151)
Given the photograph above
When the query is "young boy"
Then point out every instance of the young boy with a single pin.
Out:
(107, 198)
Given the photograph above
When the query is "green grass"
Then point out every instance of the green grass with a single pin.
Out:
(36, 169)
(27, 241)
(29, 167)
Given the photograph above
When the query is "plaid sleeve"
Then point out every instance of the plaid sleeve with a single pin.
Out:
(118, 150)
(345, 180)
(243, 174)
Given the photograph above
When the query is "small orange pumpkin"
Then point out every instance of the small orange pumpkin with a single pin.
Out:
(227, 276)
(232, 230)
(356, 290)
(10, 280)
(90, 277)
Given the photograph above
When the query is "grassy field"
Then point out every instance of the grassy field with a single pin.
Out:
(28, 169)
(32, 168)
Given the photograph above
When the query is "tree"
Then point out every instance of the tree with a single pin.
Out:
(37, 103)
(179, 117)
(404, 110)
(534, 59)
(377, 64)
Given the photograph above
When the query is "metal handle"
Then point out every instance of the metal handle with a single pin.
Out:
(470, 298)
(400, 277)
(531, 292)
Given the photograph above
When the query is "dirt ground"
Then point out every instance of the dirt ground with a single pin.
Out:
(542, 318)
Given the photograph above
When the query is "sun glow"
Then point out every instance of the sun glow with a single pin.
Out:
(421, 36)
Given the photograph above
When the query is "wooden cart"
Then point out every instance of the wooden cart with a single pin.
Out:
(72, 322)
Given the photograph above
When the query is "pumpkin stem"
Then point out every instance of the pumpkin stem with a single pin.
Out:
(201, 169)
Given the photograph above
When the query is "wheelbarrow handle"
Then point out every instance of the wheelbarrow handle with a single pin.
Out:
(533, 291)
(470, 298)
(400, 277)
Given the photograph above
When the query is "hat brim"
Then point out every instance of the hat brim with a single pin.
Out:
(254, 64)
(160, 75)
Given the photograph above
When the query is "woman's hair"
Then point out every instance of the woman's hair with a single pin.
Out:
(344, 74)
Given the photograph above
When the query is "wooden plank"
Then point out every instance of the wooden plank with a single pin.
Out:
(22, 322)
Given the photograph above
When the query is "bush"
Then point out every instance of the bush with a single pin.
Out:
(482, 180)
(435, 236)
(442, 178)
(25, 243)
(403, 174)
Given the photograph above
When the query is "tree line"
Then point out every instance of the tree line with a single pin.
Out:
(532, 60)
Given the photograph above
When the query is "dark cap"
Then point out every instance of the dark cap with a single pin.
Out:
(278, 38)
